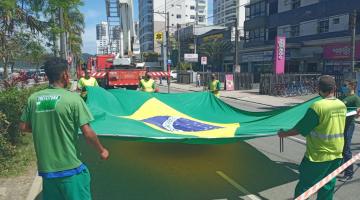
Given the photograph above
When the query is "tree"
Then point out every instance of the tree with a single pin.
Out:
(215, 52)
(14, 19)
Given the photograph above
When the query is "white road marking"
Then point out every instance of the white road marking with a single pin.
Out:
(237, 186)
(295, 139)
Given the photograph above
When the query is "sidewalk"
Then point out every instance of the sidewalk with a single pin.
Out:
(248, 95)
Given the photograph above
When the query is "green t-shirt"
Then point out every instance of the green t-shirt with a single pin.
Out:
(55, 116)
(352, 102)
(307, 123)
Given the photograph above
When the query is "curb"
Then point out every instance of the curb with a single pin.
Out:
(234, 98)
(36, 188)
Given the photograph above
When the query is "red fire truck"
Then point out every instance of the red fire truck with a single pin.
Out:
(113, 72)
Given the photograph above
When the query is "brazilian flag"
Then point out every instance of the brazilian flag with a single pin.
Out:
(197, 117)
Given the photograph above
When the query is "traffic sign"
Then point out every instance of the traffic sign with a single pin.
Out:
(191, 57)
(158, 36)
(169, 62)
(204, 60)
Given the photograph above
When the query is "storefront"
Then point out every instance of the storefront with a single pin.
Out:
(262, 62)
(337, 57)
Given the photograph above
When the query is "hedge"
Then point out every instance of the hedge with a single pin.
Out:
(12, 103)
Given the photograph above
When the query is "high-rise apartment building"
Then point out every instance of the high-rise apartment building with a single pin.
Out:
(152, 18)
(225, 12)
(102, 38)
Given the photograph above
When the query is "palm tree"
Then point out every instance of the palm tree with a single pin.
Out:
(215, 51)
(74, 26)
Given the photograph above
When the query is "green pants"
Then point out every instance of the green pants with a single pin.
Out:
(313, 172)
(75, 187)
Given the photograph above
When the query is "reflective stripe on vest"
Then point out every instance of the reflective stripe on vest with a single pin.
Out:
(326, 141)
(326, 136)
(147, 86)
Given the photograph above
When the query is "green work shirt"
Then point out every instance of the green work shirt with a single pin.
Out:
(55, 116)
(351, 101)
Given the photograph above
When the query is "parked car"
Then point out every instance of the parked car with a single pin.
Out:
(173, 74)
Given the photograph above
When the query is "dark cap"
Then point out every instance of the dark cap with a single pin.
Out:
(327, 83)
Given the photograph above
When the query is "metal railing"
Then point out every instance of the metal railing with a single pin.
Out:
(242, 81)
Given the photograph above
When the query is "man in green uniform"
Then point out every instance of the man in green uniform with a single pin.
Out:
(147, 84)
(54, 116)
(352, 101)
(86, 81)
(323, 126)
(214, 85)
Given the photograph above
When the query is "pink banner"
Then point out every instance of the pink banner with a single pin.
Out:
(279, 55)
(340, 51)
(229, 80)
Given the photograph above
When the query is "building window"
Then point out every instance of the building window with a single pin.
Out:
(178, 16)
(192, 16)
(255, 35)
(201, 19)
(336, 21)
(272, 33)
(295, 31)
(192, 7)
(323, 26)
(256, 9)
(295, 4)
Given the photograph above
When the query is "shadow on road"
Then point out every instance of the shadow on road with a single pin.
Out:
(139, 170)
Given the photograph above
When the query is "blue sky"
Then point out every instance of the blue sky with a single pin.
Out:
(94, 11)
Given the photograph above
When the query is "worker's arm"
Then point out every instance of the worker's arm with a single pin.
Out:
(25, 127)
(94, 141)
(153, 85)
(304, 126)
(218, 85)
(357, 103)
(96, 83)
(80, 85)
(292, 132)
(83, 116)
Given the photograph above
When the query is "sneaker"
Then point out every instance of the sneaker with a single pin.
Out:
(345, 178)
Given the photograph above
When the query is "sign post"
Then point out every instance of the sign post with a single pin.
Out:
(203, 63)
(168, 78)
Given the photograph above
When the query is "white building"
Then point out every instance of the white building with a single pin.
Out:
(102, 38)
(152, 18)
(226, 11)
(136, 44)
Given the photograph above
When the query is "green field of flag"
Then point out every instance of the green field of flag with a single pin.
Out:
(197, 117)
